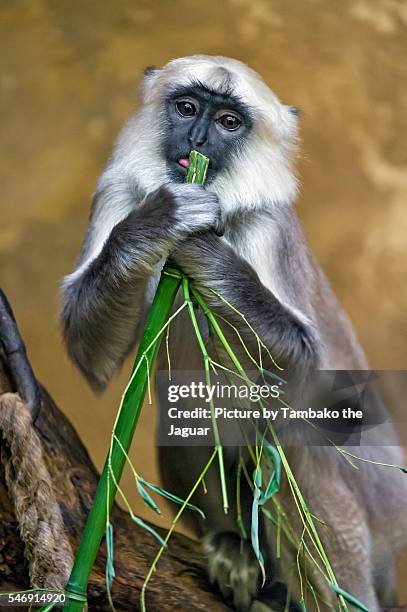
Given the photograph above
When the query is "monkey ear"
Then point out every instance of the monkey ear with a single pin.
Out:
(287, 122)
(294, 110)
(150, 70)
(148, 83)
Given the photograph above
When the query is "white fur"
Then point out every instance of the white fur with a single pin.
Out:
(138, 156)
(269, 168)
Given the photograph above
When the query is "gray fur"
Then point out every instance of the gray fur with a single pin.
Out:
(104, 299)
(263, 267)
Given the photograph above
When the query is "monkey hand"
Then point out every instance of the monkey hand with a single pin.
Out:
(206, 258)
(186, 209)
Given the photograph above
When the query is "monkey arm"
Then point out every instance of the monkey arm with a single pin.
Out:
(103, 306)
(105, 299)
(215, 267)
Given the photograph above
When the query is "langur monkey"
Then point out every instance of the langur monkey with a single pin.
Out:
(239, 236)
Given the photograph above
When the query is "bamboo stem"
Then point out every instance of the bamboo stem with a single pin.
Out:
(126, 421)
(124, 431)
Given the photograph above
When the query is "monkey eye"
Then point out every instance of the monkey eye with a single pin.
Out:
(229, 121)
(186, 107)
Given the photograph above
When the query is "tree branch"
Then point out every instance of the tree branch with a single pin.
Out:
(180, 582)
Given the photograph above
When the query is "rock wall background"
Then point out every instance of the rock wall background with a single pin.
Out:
(68, 73)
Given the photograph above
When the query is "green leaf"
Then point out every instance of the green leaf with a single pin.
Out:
(146, 496)
(348, 597)
(268, 515)
(302, 605)
(260, 498)
(273, 375)
(255, 525)
(171, 497)
(273, 485)
(110, 572)
(258, 477)
(147, 527)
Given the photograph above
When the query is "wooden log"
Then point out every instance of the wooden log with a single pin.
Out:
(179, 583)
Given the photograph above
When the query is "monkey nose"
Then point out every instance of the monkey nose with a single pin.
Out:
(197, 137)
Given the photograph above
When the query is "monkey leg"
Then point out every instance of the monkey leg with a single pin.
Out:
(232, 565)
(386, 584)
(346, 539)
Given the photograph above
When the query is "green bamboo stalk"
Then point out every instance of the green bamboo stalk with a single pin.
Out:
(207, 360)
(127, 419)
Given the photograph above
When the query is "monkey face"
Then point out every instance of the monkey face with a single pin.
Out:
(196, 118)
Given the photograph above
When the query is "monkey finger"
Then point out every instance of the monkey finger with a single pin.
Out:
(220, 227)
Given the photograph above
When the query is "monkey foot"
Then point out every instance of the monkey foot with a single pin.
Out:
(233, 568)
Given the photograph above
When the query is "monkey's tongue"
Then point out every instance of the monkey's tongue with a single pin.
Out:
(184, 163)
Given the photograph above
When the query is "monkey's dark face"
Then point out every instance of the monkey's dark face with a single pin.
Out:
(198, 119)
